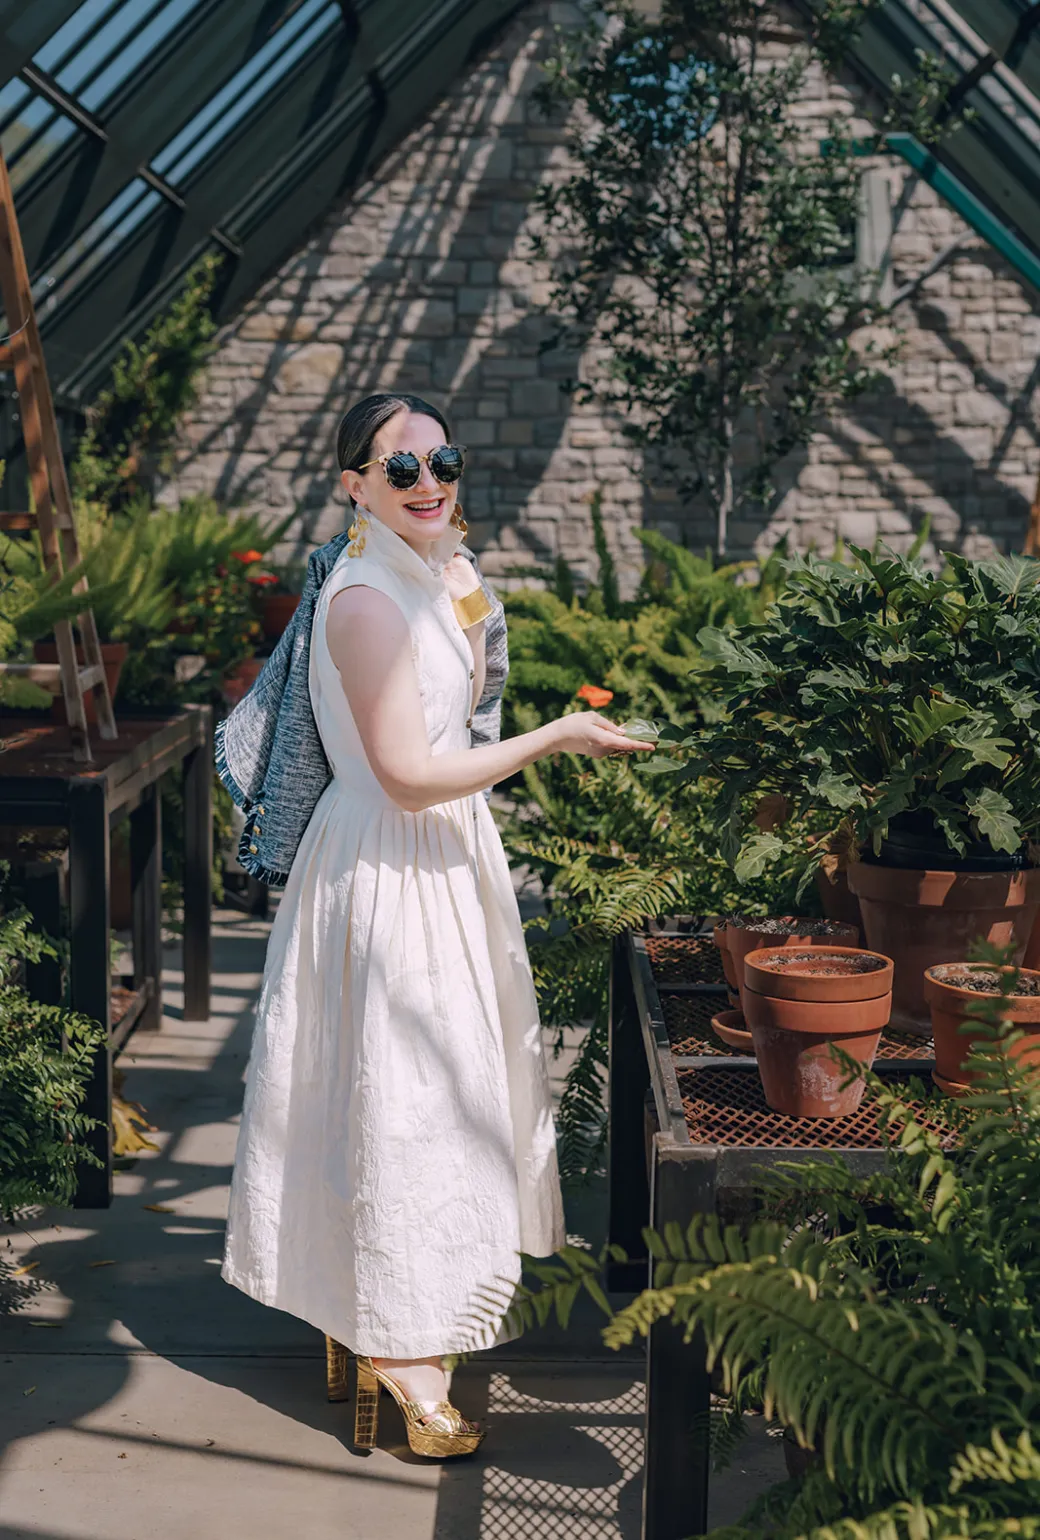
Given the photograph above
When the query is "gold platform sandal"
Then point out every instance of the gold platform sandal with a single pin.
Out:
(439, 1430)
(337, 1369)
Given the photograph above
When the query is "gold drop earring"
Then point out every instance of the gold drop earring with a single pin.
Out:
(356, 533)
(458, 521)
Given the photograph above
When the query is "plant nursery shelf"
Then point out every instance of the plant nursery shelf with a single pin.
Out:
(45, 789)
(690, 1131)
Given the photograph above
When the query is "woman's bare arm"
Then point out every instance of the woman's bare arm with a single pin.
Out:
(371, 647)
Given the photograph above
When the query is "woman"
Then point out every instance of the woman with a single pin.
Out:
(396, 1152)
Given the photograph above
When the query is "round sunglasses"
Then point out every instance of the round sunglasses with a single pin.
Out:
(403, 469)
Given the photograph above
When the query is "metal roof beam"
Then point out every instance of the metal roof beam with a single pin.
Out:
(307, 165)
(63, 198)
(24, 28)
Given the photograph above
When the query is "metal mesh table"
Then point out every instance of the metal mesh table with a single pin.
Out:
(690, 1131)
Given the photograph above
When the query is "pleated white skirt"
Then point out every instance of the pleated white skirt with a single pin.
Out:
(396, 1151)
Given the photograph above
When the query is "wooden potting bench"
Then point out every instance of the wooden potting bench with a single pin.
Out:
(44, 786)
(689, 1132)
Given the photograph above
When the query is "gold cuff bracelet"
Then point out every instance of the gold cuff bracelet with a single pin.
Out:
(474, 608)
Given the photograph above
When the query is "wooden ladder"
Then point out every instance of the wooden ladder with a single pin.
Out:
(52, 512)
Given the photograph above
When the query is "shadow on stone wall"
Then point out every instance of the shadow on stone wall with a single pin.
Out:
(908, 454)
(412, 294)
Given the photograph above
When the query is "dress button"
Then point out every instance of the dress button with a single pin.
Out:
(472, 675)
(469, 721)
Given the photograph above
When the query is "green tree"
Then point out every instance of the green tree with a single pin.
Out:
(704, 240)
(131, 424)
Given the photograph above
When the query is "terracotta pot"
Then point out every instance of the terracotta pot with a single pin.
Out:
(837, 974)
(113, 656)
(718, 935)
(276, 611)
(922, 918)
(953, 1008)
(801, 1005)
(837, 901)
(742, 939)
(240, 679)
(731, 1028)
(1032, 952)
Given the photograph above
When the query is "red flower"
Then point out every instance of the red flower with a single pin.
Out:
(262, 579)
(595, 695)
(245, 557)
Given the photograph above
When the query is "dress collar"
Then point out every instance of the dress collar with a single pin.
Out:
(381, 540)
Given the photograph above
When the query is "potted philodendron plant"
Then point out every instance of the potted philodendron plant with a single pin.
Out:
(899, 710)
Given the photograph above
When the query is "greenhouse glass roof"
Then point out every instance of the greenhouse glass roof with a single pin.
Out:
(141, 133)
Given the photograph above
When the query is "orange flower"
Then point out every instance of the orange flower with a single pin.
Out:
(262, 579)
(595, 695)
(245, 557)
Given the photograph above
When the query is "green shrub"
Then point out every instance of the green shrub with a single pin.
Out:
(607, 845)
(46, 1054)
(873, 689)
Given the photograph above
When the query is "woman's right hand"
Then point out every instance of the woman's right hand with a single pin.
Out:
(586, 732)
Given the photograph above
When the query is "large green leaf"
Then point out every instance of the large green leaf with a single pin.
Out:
(839, 791)
(756, 853)
(737, 657)
(993, 814)
(928, 717)
(1011, 575)
(983, 747)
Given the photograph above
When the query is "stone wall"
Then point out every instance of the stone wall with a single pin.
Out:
(424, 281)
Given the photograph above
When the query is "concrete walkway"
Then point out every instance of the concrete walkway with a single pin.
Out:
(142, 1398)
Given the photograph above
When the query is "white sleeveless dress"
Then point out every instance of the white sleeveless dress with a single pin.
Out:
(396, 1150)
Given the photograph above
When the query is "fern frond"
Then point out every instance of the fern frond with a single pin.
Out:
(999, 1461)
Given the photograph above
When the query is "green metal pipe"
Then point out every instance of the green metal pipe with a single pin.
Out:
(971, 209)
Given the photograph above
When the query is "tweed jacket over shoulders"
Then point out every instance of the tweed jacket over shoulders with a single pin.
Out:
(269, 754)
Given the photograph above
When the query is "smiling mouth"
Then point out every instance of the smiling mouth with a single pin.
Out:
(427, 507)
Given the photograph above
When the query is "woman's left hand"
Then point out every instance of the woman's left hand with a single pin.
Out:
(460, 576)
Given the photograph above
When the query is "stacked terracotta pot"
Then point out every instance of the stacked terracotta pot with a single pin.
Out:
(798, 1003)
(803, 985)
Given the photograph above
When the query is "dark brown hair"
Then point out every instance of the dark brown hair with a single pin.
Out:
(361, 424)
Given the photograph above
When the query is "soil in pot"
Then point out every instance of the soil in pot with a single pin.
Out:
(953, 992)
(799, 1002)
(113, 656)
(922, 918)
(748, 935)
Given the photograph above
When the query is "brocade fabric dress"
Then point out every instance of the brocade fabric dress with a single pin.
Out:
(396, 1150)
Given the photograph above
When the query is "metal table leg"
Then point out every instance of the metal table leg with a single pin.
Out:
(678, 1386)
(628, 1078)
(89, 969)
(42, 882)
(198, 864)
(146, 888)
